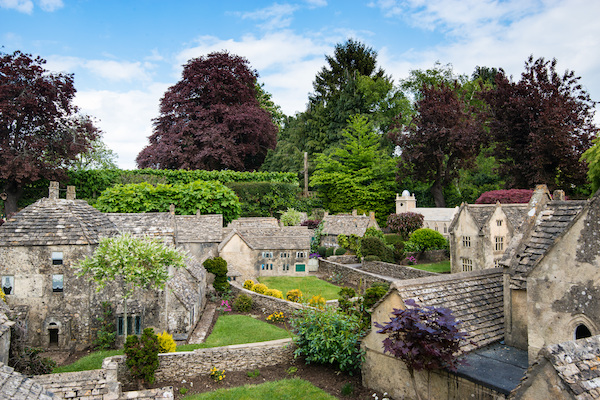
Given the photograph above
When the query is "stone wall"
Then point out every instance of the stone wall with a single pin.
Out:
(98, 384)
(394, 270)
(266, 304)
(431, 256)
(340, 272)
(345, 259)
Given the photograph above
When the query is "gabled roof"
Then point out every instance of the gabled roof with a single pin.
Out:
(50, 222)
(14, 385)
(347, 224)
(155, 224)
(254, 222)
(436, 213)
(284, 238)
(475, 298)
(552, 221)
(199, 228)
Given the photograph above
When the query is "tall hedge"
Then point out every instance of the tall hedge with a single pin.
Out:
(265, 199)
(208, 197)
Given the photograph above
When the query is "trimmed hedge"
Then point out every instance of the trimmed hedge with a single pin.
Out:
(511, 196)
(265, 199)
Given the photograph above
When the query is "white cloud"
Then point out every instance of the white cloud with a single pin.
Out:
(276, 16)
(51, 5)
(24, 6)
(115, 71)
(316, 3)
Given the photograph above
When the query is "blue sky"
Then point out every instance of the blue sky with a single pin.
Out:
(125, 54)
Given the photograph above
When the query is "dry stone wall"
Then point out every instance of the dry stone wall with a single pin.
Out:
(394, 270)
(343, 273)
(267, 304)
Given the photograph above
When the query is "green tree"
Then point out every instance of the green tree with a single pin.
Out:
(137, 263)
(99, 156)
(358, 175)
(592, 157)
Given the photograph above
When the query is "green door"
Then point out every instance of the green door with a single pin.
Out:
(300, 267)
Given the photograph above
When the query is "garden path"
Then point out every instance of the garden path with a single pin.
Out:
(200, 332)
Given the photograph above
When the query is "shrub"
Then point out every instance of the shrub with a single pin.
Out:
(217, 375)
(294, 295)
(340, 251)
(372, 258)
(260, 288)
(264, 199)
(106, 335)
(29, 362)
(274, 293)
(373, 232)
(142, 355)
(218, 267)
(428, 239)
(329, 251)
(373, 246)
(505, 196)
(351, 242)
(166, 344)
(311, 223)
(243, 303)
(291, 217)
(317, 301)
(328, 337)
(322, 250)
(405, 223)
(276, 317)
(374, 293)
(248, 284)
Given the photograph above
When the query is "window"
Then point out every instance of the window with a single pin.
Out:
(262, 266)
(466, 241)
(445, 228)
(57, 283)
(8, 284)
(267, 254)
(499, 243)
(284, 255)
(130, 325)
(582, 332)
(498, 222)
(497, 263)
(467, 264)
(300, 254)
(286, 267)
(57, 258)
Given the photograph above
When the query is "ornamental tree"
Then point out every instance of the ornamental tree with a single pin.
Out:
(541, 126)
(137, 263)
(211, 119)
(41, 131)
(424, 337)
(405, 223)
(505, 196)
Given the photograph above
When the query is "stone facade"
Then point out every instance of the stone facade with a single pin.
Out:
(346, 224)
(435, 218)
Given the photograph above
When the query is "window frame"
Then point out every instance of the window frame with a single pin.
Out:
(11, 279)
(62, 280)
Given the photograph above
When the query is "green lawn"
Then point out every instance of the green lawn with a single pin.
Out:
(309, 285)
(225, 332)
(440, 267)
(285, 389)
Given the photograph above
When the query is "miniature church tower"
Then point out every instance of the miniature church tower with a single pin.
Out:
(406, 202)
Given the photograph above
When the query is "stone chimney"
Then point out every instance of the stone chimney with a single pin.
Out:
(70, 192)
(325, 214)
(559, 195)
(354, 213)
(372, 215)
(172, 209)
(53, 190)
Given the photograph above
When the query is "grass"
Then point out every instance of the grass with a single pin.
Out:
(309, 285)
(440, 267)
(226, 332)
(285, 389)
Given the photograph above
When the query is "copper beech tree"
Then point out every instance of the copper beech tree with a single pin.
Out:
(41, 131)
(211, 119)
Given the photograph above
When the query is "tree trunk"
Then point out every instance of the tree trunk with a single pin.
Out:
(437, 190)
(13, 191)
(411, 371)
(125, 318)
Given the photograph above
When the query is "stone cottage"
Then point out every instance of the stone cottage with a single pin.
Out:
(346, 224)
(39, 248)
(435, 218)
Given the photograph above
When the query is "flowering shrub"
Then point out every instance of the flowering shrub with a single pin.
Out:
(225, 307)
(314, 255)
(276, 317)
(217, 375)
(166, 344)
(505, 196)
(411, 260)
(274, 293)
(260, 288)
(317, 301)
(294, 295)
(405, 223)
(248, 284)
(291, 217)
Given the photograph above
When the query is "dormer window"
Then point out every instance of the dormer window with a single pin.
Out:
(57, 258)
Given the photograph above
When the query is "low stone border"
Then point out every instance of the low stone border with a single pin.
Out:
(350, 275)
(267, 304)
(394, 270)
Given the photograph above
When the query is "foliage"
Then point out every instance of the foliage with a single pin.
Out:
(291, 217)
(315, 240)
(207, 197)
(317, 301)
(216, 374)
(374, 293)
(243, 303)
(373, 232)
(142, 355)
(253, 374)
(311, 223)
(106, 335)
(264, 199)
(276, 317)
(358, 174)
(592, 157)
(329, 252)
(351, 242)
(443, 137)
(328, 337)
(41, 131)
(405, 223)
(218, 267)
(211, 119)
(541, 126)
(294, 295)
(374, 246)
(322, 250)
(260, 288)
(23, 358)
(166, 344)
(428, 239)
(248, 284)
(274, 293)
(505, 196)
(425, 338)
(97, 157)
(371, 258)
(340, 251)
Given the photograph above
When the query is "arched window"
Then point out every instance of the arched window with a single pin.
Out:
(582, 331)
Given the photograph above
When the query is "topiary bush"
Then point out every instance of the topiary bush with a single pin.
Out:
(322, 250)
(291, 217)
(248, 284)
(294, 295)
(373, 246)
(142, 355)
(505, 196)
(260, 288)
(243, 303)
(428, 239)
(317, 301)
(166, 344)
(329, 252)
(106, 335)
(274, 293)
(218, 267)
(340, 251)
(374, 293)
(405, 223)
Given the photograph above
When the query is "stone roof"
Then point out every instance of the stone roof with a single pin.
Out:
(184, 287)
(16, 386)
(347, 224)
(284, 238)
(475, 298)
(199, 228)
(436, 213)
(550, 223)
(254, 222)
(50, 222)
(515, 213)
(577, 364)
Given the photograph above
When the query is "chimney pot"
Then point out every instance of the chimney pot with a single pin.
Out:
(70, 192)
(172, 209)
(53, 190)
(559, 195)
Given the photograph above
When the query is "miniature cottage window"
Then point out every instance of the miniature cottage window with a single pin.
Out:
(582, 332)
(130, 325)
(284, 255)
(57, 258)
(286, 267)
(497, 263)
(466, 240)
(467, 264)
(499, 243)
(300, 254)
(8, 284)
(498, 222)
(57, 283)
(267, 254)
